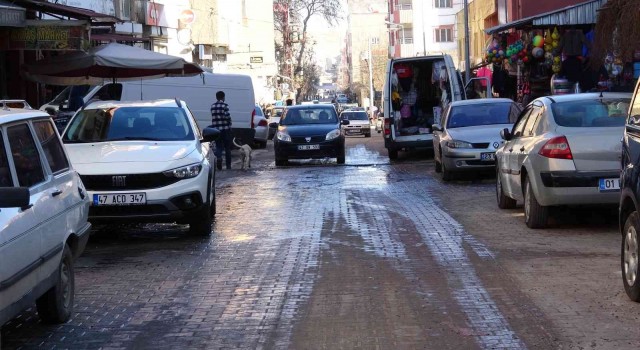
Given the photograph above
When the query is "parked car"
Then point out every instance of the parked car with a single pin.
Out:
(563, 150)
(359, 123)
(466, 138)
(309, 131)
(144, 162)
(43, 218)
(273, 115)
(629, 201)
(261, 126)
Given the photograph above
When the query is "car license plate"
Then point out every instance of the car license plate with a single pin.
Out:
(487, 156)
(609, 185)
(308, 147)
(120, 199)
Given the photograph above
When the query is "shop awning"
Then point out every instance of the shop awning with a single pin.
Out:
(67, 11)
(118, 38)
(580, 14)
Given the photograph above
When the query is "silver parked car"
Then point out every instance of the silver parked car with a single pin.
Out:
(468, 134)
(563, 150)
(359, 123)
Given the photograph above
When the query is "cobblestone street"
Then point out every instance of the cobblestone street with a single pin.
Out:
(370, 255)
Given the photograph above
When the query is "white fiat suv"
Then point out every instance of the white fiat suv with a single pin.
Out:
(144, 161)
(43, 217)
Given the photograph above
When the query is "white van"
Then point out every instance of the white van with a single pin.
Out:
(199, 92)
(416, 91)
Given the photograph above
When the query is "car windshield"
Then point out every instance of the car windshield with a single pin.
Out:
(259, 112)
(302, 116)
(590, 113)
(482, 114)
(355, 116)
(129, 123)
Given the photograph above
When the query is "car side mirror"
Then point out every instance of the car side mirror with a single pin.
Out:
(210, 134)
(273, 125)
(14, 197)
(345, 122)
(436, 127)
(506, 134)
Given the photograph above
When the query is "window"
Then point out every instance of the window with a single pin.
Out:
(5, 172)
(518, 128)
(109, 92)
(591, 113)
(25, 156)
(532, 121)
(444, 35)
(442, 4)
(375, 41)
(51, 146)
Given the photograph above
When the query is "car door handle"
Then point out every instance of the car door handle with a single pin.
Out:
(56, 193)
(522, 149)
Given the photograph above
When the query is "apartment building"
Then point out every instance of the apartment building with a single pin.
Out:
(420, 27)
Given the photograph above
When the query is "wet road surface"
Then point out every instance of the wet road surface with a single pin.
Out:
(371, 255)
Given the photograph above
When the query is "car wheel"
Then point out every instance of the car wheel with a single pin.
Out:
(341, 156)
(535, 215)
(56, 305)
(629, 257)
(446, 173)
(393, 153)
(504, 202)
(200, 223)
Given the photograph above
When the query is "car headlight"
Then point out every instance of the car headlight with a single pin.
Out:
(185, 172)
(458, 144)
(283, 136)
(333, 134)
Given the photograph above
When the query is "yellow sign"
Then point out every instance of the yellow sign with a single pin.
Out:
(44, 38)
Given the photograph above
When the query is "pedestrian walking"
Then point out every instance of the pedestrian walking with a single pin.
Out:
(221, 119)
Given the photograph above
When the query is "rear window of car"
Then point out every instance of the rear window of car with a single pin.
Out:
(590, 113)
(129, 123)
(259, 112)
(482, 114)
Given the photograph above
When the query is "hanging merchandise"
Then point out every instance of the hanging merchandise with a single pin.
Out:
(517, 52)
(555, 42)
(494, 53)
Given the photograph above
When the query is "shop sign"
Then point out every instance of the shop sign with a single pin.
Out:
(255, 59)
(155, 15)
(12, 17)
(44, 37)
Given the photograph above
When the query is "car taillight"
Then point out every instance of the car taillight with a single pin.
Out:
(557, 147)
(263, 122)
(253, 114)
(387, 126)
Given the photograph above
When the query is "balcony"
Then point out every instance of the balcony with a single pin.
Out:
(406, 16)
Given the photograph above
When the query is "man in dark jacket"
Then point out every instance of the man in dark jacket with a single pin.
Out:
(221, 119)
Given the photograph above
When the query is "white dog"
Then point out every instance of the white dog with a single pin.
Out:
(245, 153)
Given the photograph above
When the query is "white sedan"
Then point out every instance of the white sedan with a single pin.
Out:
(468, 134)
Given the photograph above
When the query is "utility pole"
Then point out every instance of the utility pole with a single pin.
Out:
(467, 64)
(424, 39)
(370, 56)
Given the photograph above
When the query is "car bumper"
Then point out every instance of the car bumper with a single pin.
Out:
(360, 130)
(467, 160)
(262, 133)
(330, 149)
(575, 188)
(164, 204)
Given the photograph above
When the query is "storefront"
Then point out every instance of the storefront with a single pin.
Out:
(31, 30)
(549, 54)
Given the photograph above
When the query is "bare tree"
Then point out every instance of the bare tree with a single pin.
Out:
(301, 11)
